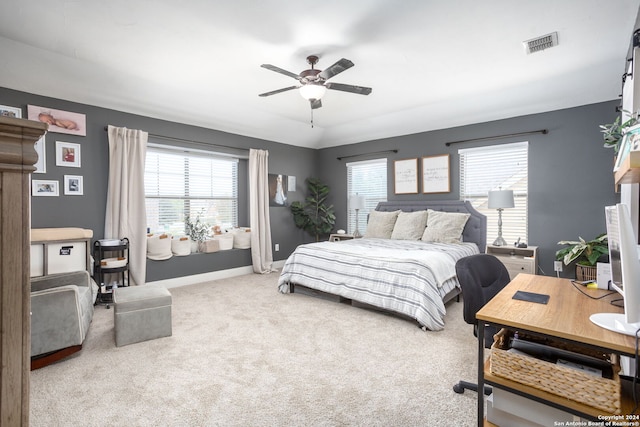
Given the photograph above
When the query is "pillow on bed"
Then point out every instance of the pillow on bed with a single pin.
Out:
(444, 227)
(381, 224)
(409, 225)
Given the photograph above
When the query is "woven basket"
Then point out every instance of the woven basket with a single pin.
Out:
(586, 272)
(600, 393)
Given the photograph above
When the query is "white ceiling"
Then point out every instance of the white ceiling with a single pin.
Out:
(431, 64)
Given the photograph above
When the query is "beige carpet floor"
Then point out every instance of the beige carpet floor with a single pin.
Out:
(243, 354)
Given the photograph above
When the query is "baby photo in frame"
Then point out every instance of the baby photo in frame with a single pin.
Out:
(67, 154)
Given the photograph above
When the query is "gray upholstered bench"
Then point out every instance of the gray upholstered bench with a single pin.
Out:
(141, 313)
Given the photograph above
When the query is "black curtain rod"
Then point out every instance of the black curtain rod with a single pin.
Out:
(542, 131)
(203, 144)
(367, 154)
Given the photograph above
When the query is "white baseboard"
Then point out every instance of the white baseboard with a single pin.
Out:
(207, 277)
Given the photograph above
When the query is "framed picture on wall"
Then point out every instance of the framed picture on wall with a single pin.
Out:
(278, 189)
(405, 174)
(44, 188)
(435, 174)
(41, 164)
(13, 112)
(58, 120)
(73, 185)
(67, 154)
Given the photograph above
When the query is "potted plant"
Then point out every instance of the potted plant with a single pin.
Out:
(612, 133)
(313, 215)
(585, 254)
(197, 230)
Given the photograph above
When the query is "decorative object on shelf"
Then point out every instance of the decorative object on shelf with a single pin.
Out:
(356, 202)
(500, 200)
(406, 176)
(614, 132)
(314, 216)
(435, 174)
(630, 142)
(585, 254)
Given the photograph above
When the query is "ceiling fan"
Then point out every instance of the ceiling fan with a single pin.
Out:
(313, 83)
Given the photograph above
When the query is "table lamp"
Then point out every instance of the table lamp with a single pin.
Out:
(500, 199)
(356, 202)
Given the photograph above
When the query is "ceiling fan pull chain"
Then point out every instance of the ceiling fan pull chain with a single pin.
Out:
(312, 118)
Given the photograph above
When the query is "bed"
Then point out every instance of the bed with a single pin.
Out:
(409, 277)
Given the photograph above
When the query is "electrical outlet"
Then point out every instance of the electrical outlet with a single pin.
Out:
(557, 266)
(277, 247)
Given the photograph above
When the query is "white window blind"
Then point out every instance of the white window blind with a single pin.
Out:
(180, 183)
(369, 179)
(497, 167)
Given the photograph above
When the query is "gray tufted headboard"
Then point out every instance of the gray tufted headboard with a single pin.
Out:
(474, 231)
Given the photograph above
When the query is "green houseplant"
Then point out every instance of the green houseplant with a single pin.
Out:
(612, 133)
(584, 253)
(314, 216)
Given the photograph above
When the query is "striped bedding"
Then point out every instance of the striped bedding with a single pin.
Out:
(396, 275)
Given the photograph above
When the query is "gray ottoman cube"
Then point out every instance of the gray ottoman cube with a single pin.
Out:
(141, 313)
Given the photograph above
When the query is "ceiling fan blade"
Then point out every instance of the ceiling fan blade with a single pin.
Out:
(280, 70)
(360, 90)
(315, 103)
(273, 92)
(336, 68)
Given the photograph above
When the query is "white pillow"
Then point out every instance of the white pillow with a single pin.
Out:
(410, 225)
(381, 224)
(444, 227)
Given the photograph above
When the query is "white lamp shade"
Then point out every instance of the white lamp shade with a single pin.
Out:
(356, 201)
(501, 199)
(312, 91)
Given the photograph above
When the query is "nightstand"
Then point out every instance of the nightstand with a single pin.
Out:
(517, 260)
(338, 237)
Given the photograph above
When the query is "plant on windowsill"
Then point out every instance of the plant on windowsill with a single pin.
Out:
(197, 231)
(314, 216)
(585, 254)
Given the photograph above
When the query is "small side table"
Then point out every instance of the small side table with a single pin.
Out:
(339, 237)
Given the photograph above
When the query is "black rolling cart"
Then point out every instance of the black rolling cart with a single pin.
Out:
(111, 258)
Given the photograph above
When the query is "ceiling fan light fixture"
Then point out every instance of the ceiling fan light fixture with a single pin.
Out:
(312, 91)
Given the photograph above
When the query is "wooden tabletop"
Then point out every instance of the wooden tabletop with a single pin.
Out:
(566, 315)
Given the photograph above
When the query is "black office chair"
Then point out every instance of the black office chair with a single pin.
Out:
(481, 277)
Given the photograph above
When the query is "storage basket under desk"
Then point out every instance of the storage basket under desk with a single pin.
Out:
(591, 390)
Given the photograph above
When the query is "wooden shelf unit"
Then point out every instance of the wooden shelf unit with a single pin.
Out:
(629, 171)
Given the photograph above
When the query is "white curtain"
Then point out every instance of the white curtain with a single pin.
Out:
(126, 213)
(261, 253)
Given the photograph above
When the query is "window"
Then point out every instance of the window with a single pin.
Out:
(369, 179)
(493, 168)
(180, 183)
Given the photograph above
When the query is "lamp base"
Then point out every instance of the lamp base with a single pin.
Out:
(500, 241)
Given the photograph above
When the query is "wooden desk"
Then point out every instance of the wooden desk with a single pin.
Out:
(565, 316)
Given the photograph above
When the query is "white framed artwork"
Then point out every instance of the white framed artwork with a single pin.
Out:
(44, 188)
(41, 164)
(67, 154)
(13, 112)
(73, 185)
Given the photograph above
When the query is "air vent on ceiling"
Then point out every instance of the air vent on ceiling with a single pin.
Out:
(541, 43)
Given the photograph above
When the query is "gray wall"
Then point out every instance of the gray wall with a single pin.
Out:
(88, 211)
(570, 178)
(570, 173)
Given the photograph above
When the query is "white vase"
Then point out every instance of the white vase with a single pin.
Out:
(194, 247)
